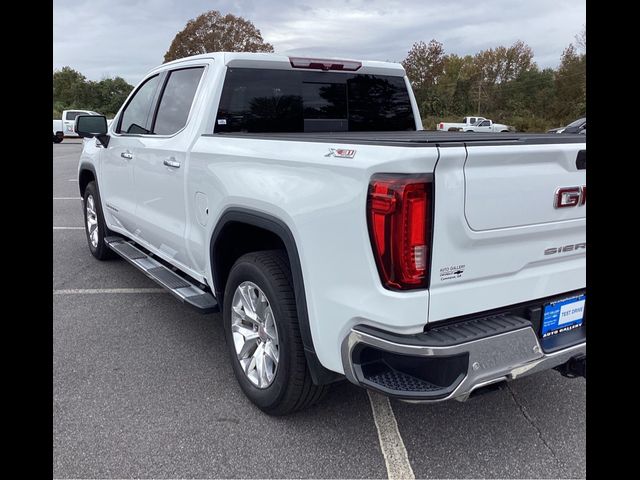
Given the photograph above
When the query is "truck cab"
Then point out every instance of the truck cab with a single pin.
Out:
(65, 127)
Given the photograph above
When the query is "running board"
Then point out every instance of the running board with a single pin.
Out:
(180, 287)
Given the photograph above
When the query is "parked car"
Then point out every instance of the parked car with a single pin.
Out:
(64, 127)
(578, 126)
(456, 127)
(338, 238)
(487, 126)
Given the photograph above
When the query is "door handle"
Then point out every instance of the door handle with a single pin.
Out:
(170, 162)
(127, 155)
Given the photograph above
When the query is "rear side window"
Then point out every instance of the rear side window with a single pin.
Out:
(271, 101)
(136, 117)
(176, 100)
(72, 115)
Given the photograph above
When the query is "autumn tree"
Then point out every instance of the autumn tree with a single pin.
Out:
(570, 82)
(424, 64)
(213, 32)
(502, 64)
(581, 40)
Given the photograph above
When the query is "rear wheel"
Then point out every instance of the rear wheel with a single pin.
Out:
(94, 224)
(57, 139)
(471, 131)
(263, 335)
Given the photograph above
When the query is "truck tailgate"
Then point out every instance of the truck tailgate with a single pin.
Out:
(509, 188)
(498, 240)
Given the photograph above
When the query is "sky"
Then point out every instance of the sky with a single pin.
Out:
(127, 38)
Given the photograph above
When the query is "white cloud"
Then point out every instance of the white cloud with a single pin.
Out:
(129, 37)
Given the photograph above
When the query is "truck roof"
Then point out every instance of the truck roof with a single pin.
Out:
(282, 62)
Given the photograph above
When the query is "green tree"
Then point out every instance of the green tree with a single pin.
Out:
(70, 88)
(111, 93)
(213, 32)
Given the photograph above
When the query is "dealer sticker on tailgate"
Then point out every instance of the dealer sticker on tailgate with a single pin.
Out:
(563, 315)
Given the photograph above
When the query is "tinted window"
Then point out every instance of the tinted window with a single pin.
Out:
(73, 115)
(471, 120)
(176, 100)
(577, 123)
(484, 123)
(257, 100)
(137, 114)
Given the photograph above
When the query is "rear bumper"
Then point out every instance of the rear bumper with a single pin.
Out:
(451, 361)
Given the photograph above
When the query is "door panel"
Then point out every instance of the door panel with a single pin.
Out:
(117, 187)
(161, 166)
(117, 183)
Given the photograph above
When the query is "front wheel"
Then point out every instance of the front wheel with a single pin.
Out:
(94, 224)
(263, 335)
(57, 139)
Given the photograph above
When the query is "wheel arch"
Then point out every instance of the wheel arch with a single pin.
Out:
(273, 230)
(86, 174)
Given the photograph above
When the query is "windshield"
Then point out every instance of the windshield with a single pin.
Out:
(576, 123)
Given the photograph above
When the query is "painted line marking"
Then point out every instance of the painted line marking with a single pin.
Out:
(67, 198)
(72, 180)
(391, 443)
(94, 291)
(68, 228)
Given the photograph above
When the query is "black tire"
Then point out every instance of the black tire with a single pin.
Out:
(469, 131)
(292, 388)
(56, 139)
(101, 251)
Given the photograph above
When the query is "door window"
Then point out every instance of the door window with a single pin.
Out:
(71, 115)
(176, 100)
(136, 117)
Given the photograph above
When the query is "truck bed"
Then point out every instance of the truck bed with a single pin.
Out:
(415, 138)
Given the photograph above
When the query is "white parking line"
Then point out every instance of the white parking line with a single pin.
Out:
(67, 198)
(93, 291)
(68, 228)
(391, 444)
(72, 180)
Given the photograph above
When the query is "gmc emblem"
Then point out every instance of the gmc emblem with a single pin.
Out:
(570, 197)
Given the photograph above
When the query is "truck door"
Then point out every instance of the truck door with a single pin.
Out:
(161, 166)
(484, 126)
(116, 183)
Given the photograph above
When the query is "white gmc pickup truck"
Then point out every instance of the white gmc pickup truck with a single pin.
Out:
(302, 199)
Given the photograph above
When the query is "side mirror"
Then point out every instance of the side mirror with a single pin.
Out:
(89, 126)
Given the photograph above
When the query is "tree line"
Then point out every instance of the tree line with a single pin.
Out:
(502, 83)
(71, 90)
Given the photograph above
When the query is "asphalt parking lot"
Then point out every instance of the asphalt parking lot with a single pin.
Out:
(142, 387)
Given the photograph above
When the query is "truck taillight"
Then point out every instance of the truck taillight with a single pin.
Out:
(441, 125)
(399, 210)
(324, 64)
